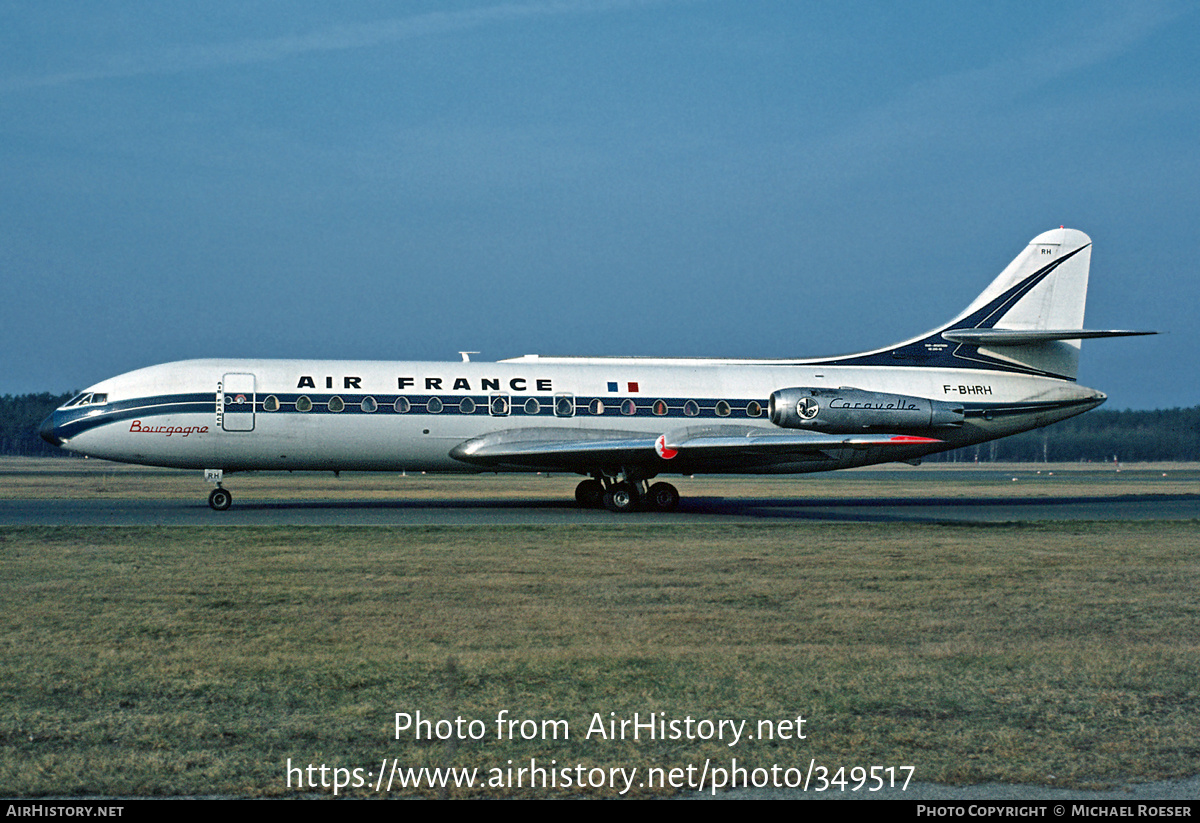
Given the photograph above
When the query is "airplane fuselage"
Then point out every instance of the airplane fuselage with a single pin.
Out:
(242, 415)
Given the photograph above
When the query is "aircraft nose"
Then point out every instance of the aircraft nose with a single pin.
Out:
(47, 432)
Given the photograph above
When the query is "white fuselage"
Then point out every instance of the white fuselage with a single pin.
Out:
(240, 415)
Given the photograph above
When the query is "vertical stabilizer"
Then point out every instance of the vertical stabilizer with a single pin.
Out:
(1028, 320)
(1043, 290)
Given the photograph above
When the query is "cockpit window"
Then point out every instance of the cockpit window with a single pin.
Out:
(87, 398)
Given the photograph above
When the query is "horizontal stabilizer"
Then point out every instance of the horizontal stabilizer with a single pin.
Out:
(1021, 337)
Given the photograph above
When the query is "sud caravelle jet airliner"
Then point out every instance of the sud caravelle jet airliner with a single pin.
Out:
(1006, 364)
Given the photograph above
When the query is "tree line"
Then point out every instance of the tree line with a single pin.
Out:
(20, 416)
(1099, 436)
(1096, 437)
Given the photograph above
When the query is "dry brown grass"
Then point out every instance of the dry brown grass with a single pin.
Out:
(190, 660)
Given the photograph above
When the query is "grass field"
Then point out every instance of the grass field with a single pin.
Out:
(171, 661)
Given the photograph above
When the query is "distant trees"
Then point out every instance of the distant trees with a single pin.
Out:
(20, 417)
(1099, 436)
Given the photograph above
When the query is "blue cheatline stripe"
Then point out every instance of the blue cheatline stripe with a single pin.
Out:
(71, 422)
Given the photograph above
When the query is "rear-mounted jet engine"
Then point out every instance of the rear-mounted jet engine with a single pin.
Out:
(847, 410)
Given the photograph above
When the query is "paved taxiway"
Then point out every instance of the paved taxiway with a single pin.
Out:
(555, 510)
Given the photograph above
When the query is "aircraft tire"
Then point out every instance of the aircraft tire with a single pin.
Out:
(663, 497)
(621, 498)
(589, 494)
(220, 500)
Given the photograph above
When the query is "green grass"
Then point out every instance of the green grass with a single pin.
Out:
(167, 661)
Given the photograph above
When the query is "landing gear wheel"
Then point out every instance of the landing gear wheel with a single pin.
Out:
(663, 497)
(590, 494)
(220, 500)
(621, 498)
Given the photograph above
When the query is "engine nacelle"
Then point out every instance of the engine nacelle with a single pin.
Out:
(848, 410)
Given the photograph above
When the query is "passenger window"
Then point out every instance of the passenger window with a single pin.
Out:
(722, 409)
(368, 404)
(271, 403)
(532, 406)
(499, 405)
(660, 407)
(564, 405)
(691, 408)
(303, 404)
(753, 409)
(402, 405)
(466, 406)
(434, 406)
(335, 404)
(628, 407)
(596, 406)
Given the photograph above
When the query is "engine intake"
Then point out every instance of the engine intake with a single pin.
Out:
(848, 410)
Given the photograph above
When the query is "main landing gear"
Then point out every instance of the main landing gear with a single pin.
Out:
(626, 495)
(219, 499)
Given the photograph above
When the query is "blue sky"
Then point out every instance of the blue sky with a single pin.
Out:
(407, 180)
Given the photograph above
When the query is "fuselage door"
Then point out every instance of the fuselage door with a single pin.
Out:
(235, 405)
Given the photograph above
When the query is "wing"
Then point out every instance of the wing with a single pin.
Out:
(556, 449)
(727, 448)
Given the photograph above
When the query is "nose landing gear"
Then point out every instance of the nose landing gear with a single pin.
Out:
(219, 499)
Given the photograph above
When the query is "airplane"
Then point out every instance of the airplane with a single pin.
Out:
(1005, 364)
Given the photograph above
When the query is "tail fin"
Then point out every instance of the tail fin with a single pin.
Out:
(1029, 320)
(1043, 290)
